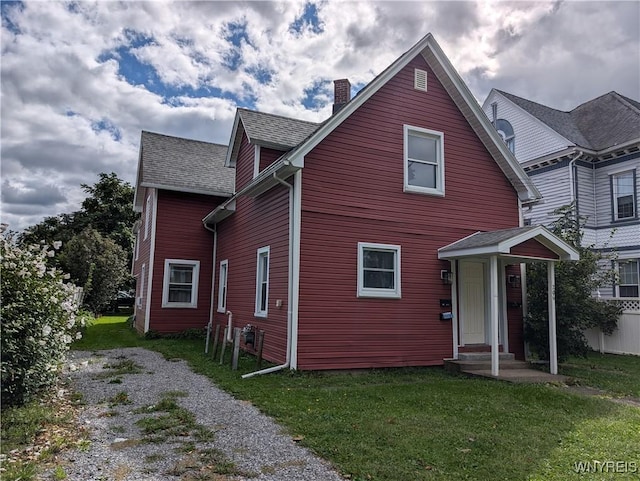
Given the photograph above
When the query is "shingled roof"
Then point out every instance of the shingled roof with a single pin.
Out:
(184, 165)
(598, 124)
(275, 130)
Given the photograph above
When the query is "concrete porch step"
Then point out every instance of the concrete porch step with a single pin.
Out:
(484, 356)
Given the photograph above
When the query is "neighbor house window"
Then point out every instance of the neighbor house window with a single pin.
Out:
(180, 287)
(623, 187)
(378, 270)
(222, 286)
(262, 282)
(629, 278)
(423, 161)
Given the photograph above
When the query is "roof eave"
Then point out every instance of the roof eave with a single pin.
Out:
(186, 190)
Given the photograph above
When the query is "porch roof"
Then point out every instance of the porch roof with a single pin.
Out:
(505, 242)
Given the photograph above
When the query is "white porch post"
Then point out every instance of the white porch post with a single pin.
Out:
(493, 293)
(551, 299)
(454, 306)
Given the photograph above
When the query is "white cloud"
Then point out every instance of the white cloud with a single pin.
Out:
(57, 84)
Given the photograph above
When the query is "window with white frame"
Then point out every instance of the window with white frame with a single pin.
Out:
(222, 285)
(262, 282)
(623, 193)
(180, 286)
(147, 217)
(629, 278)
(378, 270)
(143, 276)
(423, 161)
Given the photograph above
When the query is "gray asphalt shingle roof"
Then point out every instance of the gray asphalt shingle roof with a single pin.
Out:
(600, 123)
(486, 239)
(275, 130)
(184, 165)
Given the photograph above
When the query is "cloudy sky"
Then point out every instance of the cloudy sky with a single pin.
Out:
(80, 80)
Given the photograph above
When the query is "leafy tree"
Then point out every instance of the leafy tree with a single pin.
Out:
(109, 209)
(576, 281)
(97, 264)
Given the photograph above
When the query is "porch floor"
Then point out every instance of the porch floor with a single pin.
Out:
(510, 370)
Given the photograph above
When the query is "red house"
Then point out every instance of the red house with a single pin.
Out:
(388, 235)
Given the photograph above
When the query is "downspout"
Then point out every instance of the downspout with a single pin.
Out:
(287, 363)
(213, 283)
(572, 180)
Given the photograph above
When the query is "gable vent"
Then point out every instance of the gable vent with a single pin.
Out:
(420, 80)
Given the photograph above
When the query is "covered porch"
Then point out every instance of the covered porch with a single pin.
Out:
(479, 298)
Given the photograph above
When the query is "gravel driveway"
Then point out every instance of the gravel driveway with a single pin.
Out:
(137, 407)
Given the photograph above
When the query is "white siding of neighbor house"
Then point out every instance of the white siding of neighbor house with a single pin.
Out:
(533, 139)
(585, 194)
(603, 189)
(555, 190)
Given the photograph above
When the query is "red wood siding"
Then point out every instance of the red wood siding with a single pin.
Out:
(257, 222)
(181, 235)
(533, 248)
(244, 163)
(268, 157)
(515, 315)
(353, 192)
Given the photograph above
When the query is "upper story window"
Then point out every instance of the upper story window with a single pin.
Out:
(222, 286)
(505, 130)
(629, 283)
(180, 286)
(623, 193)
(423, 161)
(378, 270)
(262, 282)
(147, 217)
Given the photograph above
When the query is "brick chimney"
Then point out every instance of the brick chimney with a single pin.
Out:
(341, 93)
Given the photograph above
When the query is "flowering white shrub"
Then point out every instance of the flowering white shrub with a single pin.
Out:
(40, 318)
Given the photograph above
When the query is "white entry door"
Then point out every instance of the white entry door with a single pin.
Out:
(472, 302)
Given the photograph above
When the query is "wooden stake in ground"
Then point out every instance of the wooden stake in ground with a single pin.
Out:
(216, 338)
(236, 349)
(224, 345)
(260, 344)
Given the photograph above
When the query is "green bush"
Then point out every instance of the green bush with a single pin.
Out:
(40, 319)
(576, 307)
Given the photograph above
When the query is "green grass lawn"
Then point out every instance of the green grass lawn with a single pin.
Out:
(422, 423)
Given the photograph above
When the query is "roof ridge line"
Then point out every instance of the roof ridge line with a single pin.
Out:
(183, 138)
(277, 115)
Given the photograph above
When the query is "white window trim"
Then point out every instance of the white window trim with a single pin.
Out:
(618, 284)
(143, 276)
(261, 253)
(372, 292)
(222, 286)
(256, 161)
(147, 217)
(439, 189)
(614, 195)
(194, 289)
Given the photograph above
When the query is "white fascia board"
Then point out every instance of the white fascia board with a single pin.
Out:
(335, 120)
(221, 212)
(186, 190)
(472, 252)
(137, 199)
(484, 122)
(546, 238)
(236, 123)
(539, 122)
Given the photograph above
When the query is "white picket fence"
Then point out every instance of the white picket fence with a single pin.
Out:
(626, 339)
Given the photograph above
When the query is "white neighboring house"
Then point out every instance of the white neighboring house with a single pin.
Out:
(590, 156)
